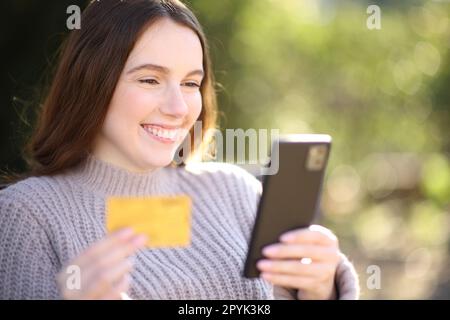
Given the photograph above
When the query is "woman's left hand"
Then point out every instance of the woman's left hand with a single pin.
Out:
(306, 260)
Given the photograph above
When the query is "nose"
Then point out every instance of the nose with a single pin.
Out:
(175, 104)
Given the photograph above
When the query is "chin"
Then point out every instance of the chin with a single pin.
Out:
(157, 162)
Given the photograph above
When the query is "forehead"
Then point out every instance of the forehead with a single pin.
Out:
(169, 44)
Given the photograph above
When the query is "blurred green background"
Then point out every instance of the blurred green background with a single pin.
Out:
(312, 67)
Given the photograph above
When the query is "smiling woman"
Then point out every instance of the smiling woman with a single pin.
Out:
(128, 89)
(156, 101)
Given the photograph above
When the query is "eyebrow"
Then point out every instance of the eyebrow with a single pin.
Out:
(161, 69)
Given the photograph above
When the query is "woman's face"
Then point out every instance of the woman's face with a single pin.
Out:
(156, 101)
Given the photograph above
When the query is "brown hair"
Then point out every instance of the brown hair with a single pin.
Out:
(91, 62)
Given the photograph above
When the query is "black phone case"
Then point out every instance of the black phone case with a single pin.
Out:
(290, 198)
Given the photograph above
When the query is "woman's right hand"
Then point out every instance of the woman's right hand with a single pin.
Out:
(103, 268)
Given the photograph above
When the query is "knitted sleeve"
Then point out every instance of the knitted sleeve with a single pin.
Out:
(249, 189)
(28, 264)
(346, 279)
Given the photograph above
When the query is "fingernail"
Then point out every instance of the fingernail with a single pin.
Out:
(125, 233)
(263, 264)
(140, 240)
(287, 237)
(269, 250)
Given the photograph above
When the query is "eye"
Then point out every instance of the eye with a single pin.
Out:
(192, 84)
(149, 81)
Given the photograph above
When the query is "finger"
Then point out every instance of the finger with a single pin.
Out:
(113, 261)
(124, 285)
(119, 290)
(91, 270)
(289, 281)
(105, 244)
(119, 252)
(104, 282)
(290, 267)
(312, 235)
(298, 251)
(325, 231)
(119, 272)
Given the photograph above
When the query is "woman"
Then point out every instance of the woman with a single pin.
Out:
(129, 87)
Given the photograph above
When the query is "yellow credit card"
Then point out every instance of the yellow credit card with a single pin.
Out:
(166, 221)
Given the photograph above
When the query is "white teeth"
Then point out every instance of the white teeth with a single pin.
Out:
(163, 133)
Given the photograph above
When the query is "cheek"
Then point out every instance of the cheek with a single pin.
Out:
(194, 102)
(131, 106)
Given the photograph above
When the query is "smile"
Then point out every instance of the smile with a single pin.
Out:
(162, 134)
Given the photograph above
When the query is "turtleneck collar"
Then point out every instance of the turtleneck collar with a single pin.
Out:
(105, 178)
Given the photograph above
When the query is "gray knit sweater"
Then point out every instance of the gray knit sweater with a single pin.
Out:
(45, 222)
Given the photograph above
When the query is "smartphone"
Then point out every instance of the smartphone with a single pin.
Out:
(291, 197)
